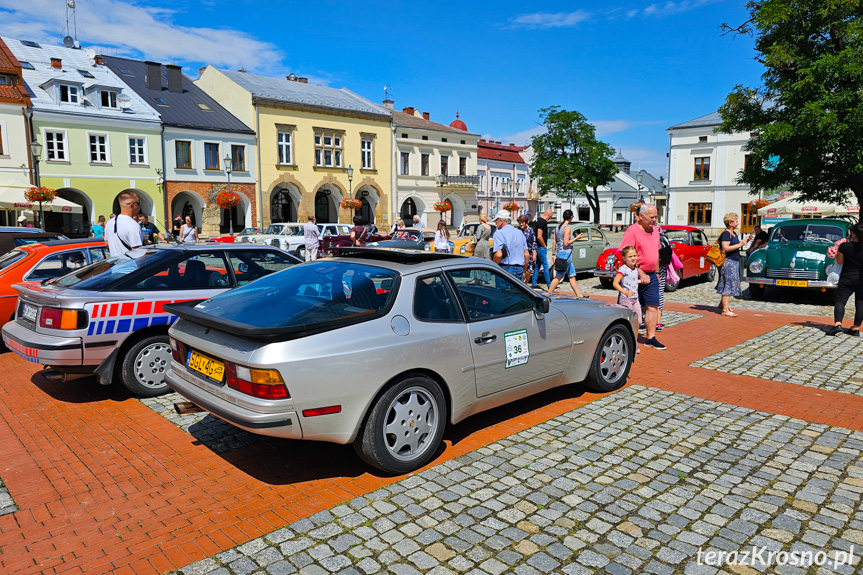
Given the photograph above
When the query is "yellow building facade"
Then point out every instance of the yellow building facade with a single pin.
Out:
(316, 146)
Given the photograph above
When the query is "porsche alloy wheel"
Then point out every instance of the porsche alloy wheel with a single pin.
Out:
(144, 364)
(612, 360)
(404, 427)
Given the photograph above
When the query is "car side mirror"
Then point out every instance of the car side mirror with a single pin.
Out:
(541, 304)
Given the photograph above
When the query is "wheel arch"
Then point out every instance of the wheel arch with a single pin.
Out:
(138, 336)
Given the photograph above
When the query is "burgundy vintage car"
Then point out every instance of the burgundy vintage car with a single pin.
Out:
(330, 242)
(689, 243)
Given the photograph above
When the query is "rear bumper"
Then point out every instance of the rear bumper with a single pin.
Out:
(772, 282)
(282, 424)
(40, 348)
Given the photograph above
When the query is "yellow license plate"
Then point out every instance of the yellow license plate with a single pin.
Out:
(209, 367)
(792, 283)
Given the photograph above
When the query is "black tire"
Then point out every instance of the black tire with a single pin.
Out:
(606, 283)
(672, 287)
(757, 291)
(396, 410)
(612, 360)
(711, 273)
(143, 366)
(300, 252)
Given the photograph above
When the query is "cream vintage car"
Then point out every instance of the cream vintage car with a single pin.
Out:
(383, 349)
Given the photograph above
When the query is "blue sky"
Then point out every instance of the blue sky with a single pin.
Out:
(632, 68)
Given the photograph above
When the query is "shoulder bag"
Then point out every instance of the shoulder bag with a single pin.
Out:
(715, 254)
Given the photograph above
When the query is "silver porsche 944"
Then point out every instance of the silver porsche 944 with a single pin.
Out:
(383, 348)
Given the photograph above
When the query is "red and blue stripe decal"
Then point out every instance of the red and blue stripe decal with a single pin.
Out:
(129, 316)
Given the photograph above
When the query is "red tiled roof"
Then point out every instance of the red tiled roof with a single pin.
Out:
(8, 61)
(499, 152)
(11, 93)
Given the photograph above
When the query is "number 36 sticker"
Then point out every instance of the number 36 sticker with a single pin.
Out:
(517, 350)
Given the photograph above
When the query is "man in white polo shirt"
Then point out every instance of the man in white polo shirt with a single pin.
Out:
(123, 233)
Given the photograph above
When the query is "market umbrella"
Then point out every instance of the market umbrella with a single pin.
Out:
(795, 206)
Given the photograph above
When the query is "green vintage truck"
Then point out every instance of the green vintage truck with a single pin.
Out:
(795, 256)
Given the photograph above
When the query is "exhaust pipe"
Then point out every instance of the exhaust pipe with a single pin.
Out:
(51, 375)
(186, 407)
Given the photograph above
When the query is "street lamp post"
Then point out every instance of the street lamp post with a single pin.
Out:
(639, 177)
(228, 169)
(36, 152)
(441, 180)
(350, 172)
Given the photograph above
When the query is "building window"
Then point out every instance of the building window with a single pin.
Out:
(462, 166)
(1, 140)
(328, 150)
(284, 145)
(747, 162)
(366, 154)
(55, 146)
(425, 137)
(184, 154)
(702, 138)
(748, 217)
(211, 157)
(406, 163)
(98, 148)
(137, 150)
(702, 169)
(700, 214)
(443, 139)
(109, 98)
(424, 165)
(5, 80)
(68, 94)
(444, 164)
(238, 158)
(404, 135)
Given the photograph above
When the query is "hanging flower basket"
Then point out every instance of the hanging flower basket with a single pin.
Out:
(442, 207)
(635, 207)
(510, 206)
(351, 204)
(227, 200)
(758, 204)
(40, 194)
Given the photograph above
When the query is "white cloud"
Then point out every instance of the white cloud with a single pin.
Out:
(126, 28)
(669, 8)
(543, 20)
(603, 128)
(522, 138)
(652, 160)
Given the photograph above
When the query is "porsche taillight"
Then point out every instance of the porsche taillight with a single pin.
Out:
(260, 383)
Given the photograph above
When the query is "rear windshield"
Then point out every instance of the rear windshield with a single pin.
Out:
(101, 274)
(306, 295)
(807, 233)
(10, 258)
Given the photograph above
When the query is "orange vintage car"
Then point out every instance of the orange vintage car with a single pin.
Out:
(36, 262)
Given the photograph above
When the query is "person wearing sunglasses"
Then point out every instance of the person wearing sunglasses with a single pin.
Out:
(123, 233)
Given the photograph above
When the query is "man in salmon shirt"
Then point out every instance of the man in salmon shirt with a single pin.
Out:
(644, 235)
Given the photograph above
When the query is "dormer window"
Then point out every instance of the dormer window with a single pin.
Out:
(69, 94)
(5, 80)
(109, 98)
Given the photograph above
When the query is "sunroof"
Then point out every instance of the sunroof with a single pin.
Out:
(159, 101)
(86, 74)
(26, 65)
(126, 72)
(30, 43)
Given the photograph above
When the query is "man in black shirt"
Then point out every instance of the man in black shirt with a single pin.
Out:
(542, 248)
(149, 231)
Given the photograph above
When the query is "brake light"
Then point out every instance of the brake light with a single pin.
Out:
(57, 318)
(260, 383)
(178, 351)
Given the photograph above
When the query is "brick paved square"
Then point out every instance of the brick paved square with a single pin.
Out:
(796, 354)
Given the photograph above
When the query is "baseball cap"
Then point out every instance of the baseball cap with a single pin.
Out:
(503, 215)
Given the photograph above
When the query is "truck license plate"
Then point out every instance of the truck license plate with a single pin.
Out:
(792, 283)
(29, 311)
(209, 367)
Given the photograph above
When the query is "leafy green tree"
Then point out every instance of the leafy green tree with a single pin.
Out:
(808, 115)
(568, 159)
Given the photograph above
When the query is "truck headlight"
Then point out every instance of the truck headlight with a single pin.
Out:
(756, 266)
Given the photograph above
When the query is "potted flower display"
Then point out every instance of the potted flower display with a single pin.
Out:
(758, 203)
(510, 206)
(351, 204)
(228, 201)
(40, 194)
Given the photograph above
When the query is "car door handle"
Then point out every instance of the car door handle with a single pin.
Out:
(485, 338)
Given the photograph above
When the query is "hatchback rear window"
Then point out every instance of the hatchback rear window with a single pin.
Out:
(306, 295)
(10, 258)
(100, 275)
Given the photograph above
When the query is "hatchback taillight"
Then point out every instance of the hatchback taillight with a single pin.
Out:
(58, 318)
(178, 351)
(260, 383)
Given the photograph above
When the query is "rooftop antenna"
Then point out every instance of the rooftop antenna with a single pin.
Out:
(71, 27)
(386, 92)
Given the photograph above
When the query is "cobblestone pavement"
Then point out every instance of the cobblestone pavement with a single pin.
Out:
(216, 434)
(796, 354)
(672, 318)
(636, 482)
(796, 301)
(7, 505)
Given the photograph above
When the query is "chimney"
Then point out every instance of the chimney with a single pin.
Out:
(511, 144)
(291, 77)
(154, 75)
(303, 80)
(389, 104)
(175, 78)
(408, 110)
(242, 70)
(57, 63)
(98, 60)
(201, 71)
(426, 116)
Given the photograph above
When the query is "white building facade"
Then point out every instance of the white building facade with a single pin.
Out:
(504, 178)
(703, 168)
(432, 163)
(16, 167)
